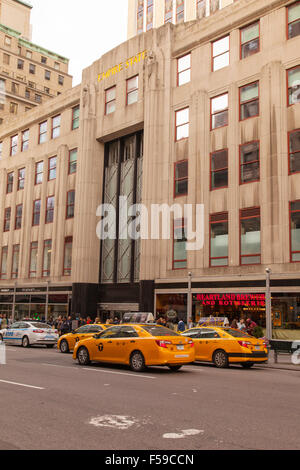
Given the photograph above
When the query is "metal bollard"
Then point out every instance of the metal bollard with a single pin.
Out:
(2, 354)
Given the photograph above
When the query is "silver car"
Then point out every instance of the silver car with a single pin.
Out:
(28, 333)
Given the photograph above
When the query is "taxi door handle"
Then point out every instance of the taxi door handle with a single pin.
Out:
(109, 342)
(132, 341)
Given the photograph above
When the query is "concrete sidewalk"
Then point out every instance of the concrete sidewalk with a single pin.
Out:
(284, 362)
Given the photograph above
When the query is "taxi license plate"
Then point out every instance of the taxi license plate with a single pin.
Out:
(180, 348)
(257, 348)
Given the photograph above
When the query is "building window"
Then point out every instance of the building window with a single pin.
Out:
(32, 69)
(140, 17)
(15, 88)
(43, 132)
(27, 94)
(36, 215)
(7, 217)
(44, 60)
(15, 262)
(70, 204)
(7, 40)
(20, 64)
(219, 239)
(249, 101)
(68, 256)
(201, 9)
(56, 65)
(13, 108)
(293, 19)
(47, 74)
(38, 98)
(28, 54)
(184, 69)
(181, 178)
(295, 230)
(13, 145)
(10, 182)
(4, 262)
(33, 259)
(47, 258)
(61, 79)
(1, 149)
(219, 169)
(179, 245)
(18, 217)
(249, 40)
(179, 11)
(25, 140)
(110, 100)
(39, 169)
(52, 168)
(47, 90)
(182, 124)
(56, 126)
(50, 210)
(168, 11)
(75, 118)
(250, 236)
(220, 53)
(249, 162)
(294, 151)
(219, 111)
(21, 178)
(132, 87)
(6, 59)
(149, 16)
(293, 78)
(73, 161)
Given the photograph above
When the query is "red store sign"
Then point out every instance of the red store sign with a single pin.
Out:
(249, 300)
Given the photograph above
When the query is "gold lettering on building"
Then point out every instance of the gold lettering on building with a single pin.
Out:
(123, 65)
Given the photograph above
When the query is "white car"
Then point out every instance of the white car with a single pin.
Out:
(28, 333)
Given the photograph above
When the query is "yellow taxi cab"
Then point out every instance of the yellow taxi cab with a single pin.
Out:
(67, 342)
(224, 346)
(137, 345)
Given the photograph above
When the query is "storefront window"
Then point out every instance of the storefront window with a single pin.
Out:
(171, 307)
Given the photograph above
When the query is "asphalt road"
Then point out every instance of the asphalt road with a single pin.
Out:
(47, 402)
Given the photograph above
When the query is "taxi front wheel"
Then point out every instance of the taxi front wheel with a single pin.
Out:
(64, 347)
(25, 342)
(137, 361)
(83, 356)
(220, 359)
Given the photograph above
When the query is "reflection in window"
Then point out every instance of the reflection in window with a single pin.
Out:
(219, 111)
(294, 151)
(293, 20)
(293, 85)
(179, 245)
(249, 40)
(295, 230)
(219, 239)
(219, 169)
(250, 236)
(249, 101)
(249, 162)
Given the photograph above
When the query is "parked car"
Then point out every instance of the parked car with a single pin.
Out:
(29, 333)
(66, 343)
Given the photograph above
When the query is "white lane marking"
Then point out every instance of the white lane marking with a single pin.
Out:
(56, 365)
(21, 385)
(184, 433)
(137, 375)
(113, 421)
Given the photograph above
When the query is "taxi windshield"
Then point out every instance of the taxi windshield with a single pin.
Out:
(159, 331)
(236, 333)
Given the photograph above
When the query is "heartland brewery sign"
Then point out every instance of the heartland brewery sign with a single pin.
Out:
(123, 66)
(248, 300)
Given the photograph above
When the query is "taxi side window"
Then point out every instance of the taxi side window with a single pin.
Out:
(15, 326)
(128, 332)
(95, 329)
(23, 326)
(83, 329)
(111, 333)
(193, 334)
(208, 334)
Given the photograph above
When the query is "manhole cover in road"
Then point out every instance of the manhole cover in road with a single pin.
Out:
(114, 421)
(184, 433)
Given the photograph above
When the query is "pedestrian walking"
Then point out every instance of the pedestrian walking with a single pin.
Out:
(181, 326)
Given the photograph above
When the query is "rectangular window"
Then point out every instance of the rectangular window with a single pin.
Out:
(21, 178)
(249, 101)
(39, 169)
(149, 15)
(15, 262)
(219, 111)
(140, 17)
(38, 98)
(219, 239)
(293, 79)
(25, 140)
(220, 53)
(47, 258)
(6, 59)
(75, 117)
(249, 160)
(68, 256)
(219, 169)
(10, 182)
(110, 100)
(32, 69)
(4, 262)
(250, 236)
(18, 218)
(201, 9)
(7, 217)
(179, 11)
(13, 145)
(47, 74)
(13, 108)
(184, 69)
(179, 245)
(61, 79)
(293, 20)
(33, 259)
(20, 64)
(249, 40)
(132, 87)
(43, 132)
(52, 168)
(56, 127)
(182, 124)
(168, 11)
(294, 151)
(295, 230)
(73, 161)
(50, 209)
(70, 204)
(181, 178)
(36, 215)
(44, 60)
(1, 149)
(7, 40)
(28, 54)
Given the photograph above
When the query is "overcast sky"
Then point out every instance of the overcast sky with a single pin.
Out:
(81, 30)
